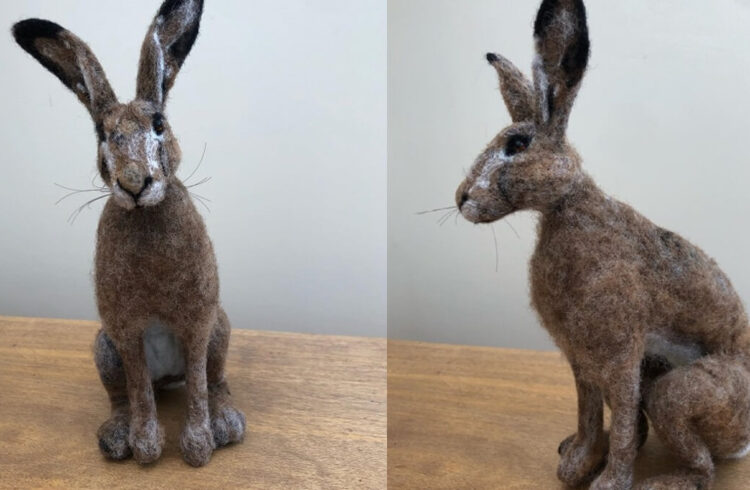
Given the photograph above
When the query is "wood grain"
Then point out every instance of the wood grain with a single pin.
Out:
(315, 408)
(472, 417)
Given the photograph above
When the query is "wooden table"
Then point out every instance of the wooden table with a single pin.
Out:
(473, 417)
(315, 408)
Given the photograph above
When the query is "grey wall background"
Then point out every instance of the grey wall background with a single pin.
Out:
(289, 98)
(661, 122)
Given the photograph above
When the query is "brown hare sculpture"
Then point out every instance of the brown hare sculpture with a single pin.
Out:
(157, 286)
(649, 323)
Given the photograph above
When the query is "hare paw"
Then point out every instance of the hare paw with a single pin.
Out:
(228, 425)
(113, 438)
(146, 441)
(611, 480)
(579, 462)
(683, 481)
(197, 443)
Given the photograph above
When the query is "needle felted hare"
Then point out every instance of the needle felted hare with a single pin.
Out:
(157, 286)
(648, 321)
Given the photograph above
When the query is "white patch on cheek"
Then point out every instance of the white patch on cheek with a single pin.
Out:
(496, 160)
(152, 150)
(155, 192)
(153, 195)
(146, 145)
(109, 159)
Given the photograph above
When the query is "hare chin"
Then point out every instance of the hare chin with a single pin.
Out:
(164, 355)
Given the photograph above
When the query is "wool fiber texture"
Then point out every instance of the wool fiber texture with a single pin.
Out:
(650, 324)
(157, 285)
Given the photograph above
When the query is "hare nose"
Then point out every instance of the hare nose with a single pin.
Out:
(131, 178)
(132, 182)
(464, 197)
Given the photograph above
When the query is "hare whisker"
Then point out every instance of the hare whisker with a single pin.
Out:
(497, 253)
(197, 166)
(200, 199)
(512, 228)
(199, 196)
(95, 188)
(202, 181)
(445, 215)
(445, 218)
(93, 184)
(74, 214)
(79, 191)
(436, 210)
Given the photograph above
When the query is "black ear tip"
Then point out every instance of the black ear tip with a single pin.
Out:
(33, 28)
(549, 9)
(544, 16)
(169, 6)
(491, 57)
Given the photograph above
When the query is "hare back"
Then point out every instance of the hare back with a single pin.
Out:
(596, 255)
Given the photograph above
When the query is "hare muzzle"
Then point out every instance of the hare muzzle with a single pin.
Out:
(132, 181)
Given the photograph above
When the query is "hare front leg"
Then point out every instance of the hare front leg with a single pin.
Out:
(146, 437)
(582, 454)
(227, 422)
(197, 440)
(623, 388)
(113, 433)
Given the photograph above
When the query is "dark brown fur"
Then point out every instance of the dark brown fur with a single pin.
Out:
(154, 261)
(647, 320)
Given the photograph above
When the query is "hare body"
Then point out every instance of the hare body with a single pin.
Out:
(146, 263)
(592, 248)
(614, 290)
(648, 322)
(157, 285)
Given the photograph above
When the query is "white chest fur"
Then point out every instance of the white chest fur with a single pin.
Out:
(164, 355)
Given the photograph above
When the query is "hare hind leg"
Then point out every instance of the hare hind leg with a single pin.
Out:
(700, 411)
(113, 433)
(227, 422)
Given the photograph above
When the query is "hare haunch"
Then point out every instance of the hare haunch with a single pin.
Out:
(649, 323)
(157, 286)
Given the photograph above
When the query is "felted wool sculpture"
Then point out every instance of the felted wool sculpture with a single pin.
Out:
(649, 323)
(157, 286)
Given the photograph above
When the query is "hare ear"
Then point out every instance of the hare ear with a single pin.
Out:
(562, 45)
(517, 90)
(70, 60)
(167, 44)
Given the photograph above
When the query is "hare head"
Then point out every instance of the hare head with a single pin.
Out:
(138, 154)
(529, 164)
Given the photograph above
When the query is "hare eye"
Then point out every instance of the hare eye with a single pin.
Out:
(516, 144)
(158, 123)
